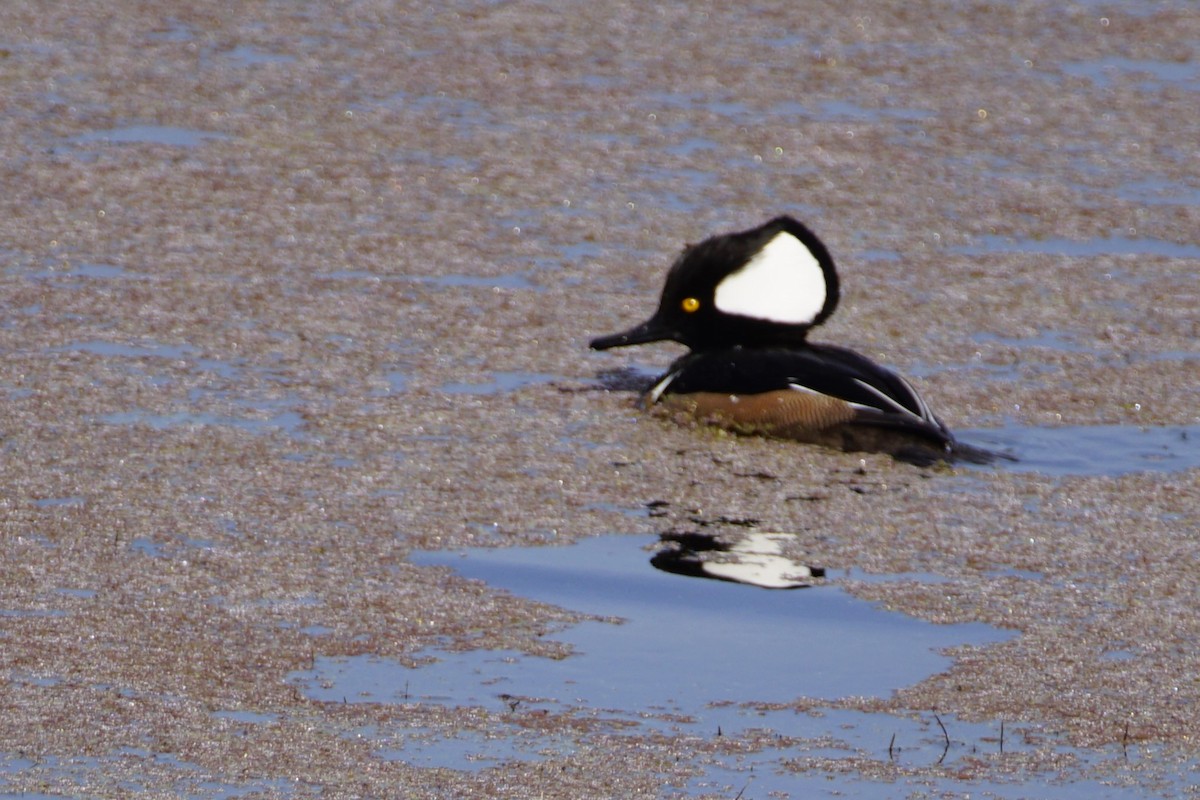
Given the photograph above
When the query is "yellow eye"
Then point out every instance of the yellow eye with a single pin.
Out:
(690, 304)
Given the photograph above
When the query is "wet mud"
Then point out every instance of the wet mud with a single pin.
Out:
(292, 291)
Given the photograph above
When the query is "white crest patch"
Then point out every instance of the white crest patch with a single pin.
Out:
(783, 282)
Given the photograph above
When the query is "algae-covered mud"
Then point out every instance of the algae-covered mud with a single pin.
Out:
(310, 485)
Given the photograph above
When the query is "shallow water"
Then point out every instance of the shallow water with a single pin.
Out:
(1107, 450)
(188, 779)
(680, 662)
(1150, 74)
(1093, 450)
(339, 178)
(499, 381)
(151, 134)
(677, 662)
(1115, 245)
(673, 648)
(760, 776)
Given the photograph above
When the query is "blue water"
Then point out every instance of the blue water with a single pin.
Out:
(1103, 450)
(1116, 245)
(682, 645)
(708, 659)
(151, 134)
(1150, 74)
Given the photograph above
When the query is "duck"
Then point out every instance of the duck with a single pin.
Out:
(743, 304)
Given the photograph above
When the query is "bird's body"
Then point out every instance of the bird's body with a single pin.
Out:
(744, 304)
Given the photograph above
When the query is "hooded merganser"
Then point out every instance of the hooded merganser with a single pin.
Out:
(744, 303)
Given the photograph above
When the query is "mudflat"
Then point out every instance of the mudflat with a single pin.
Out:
(291, 291)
